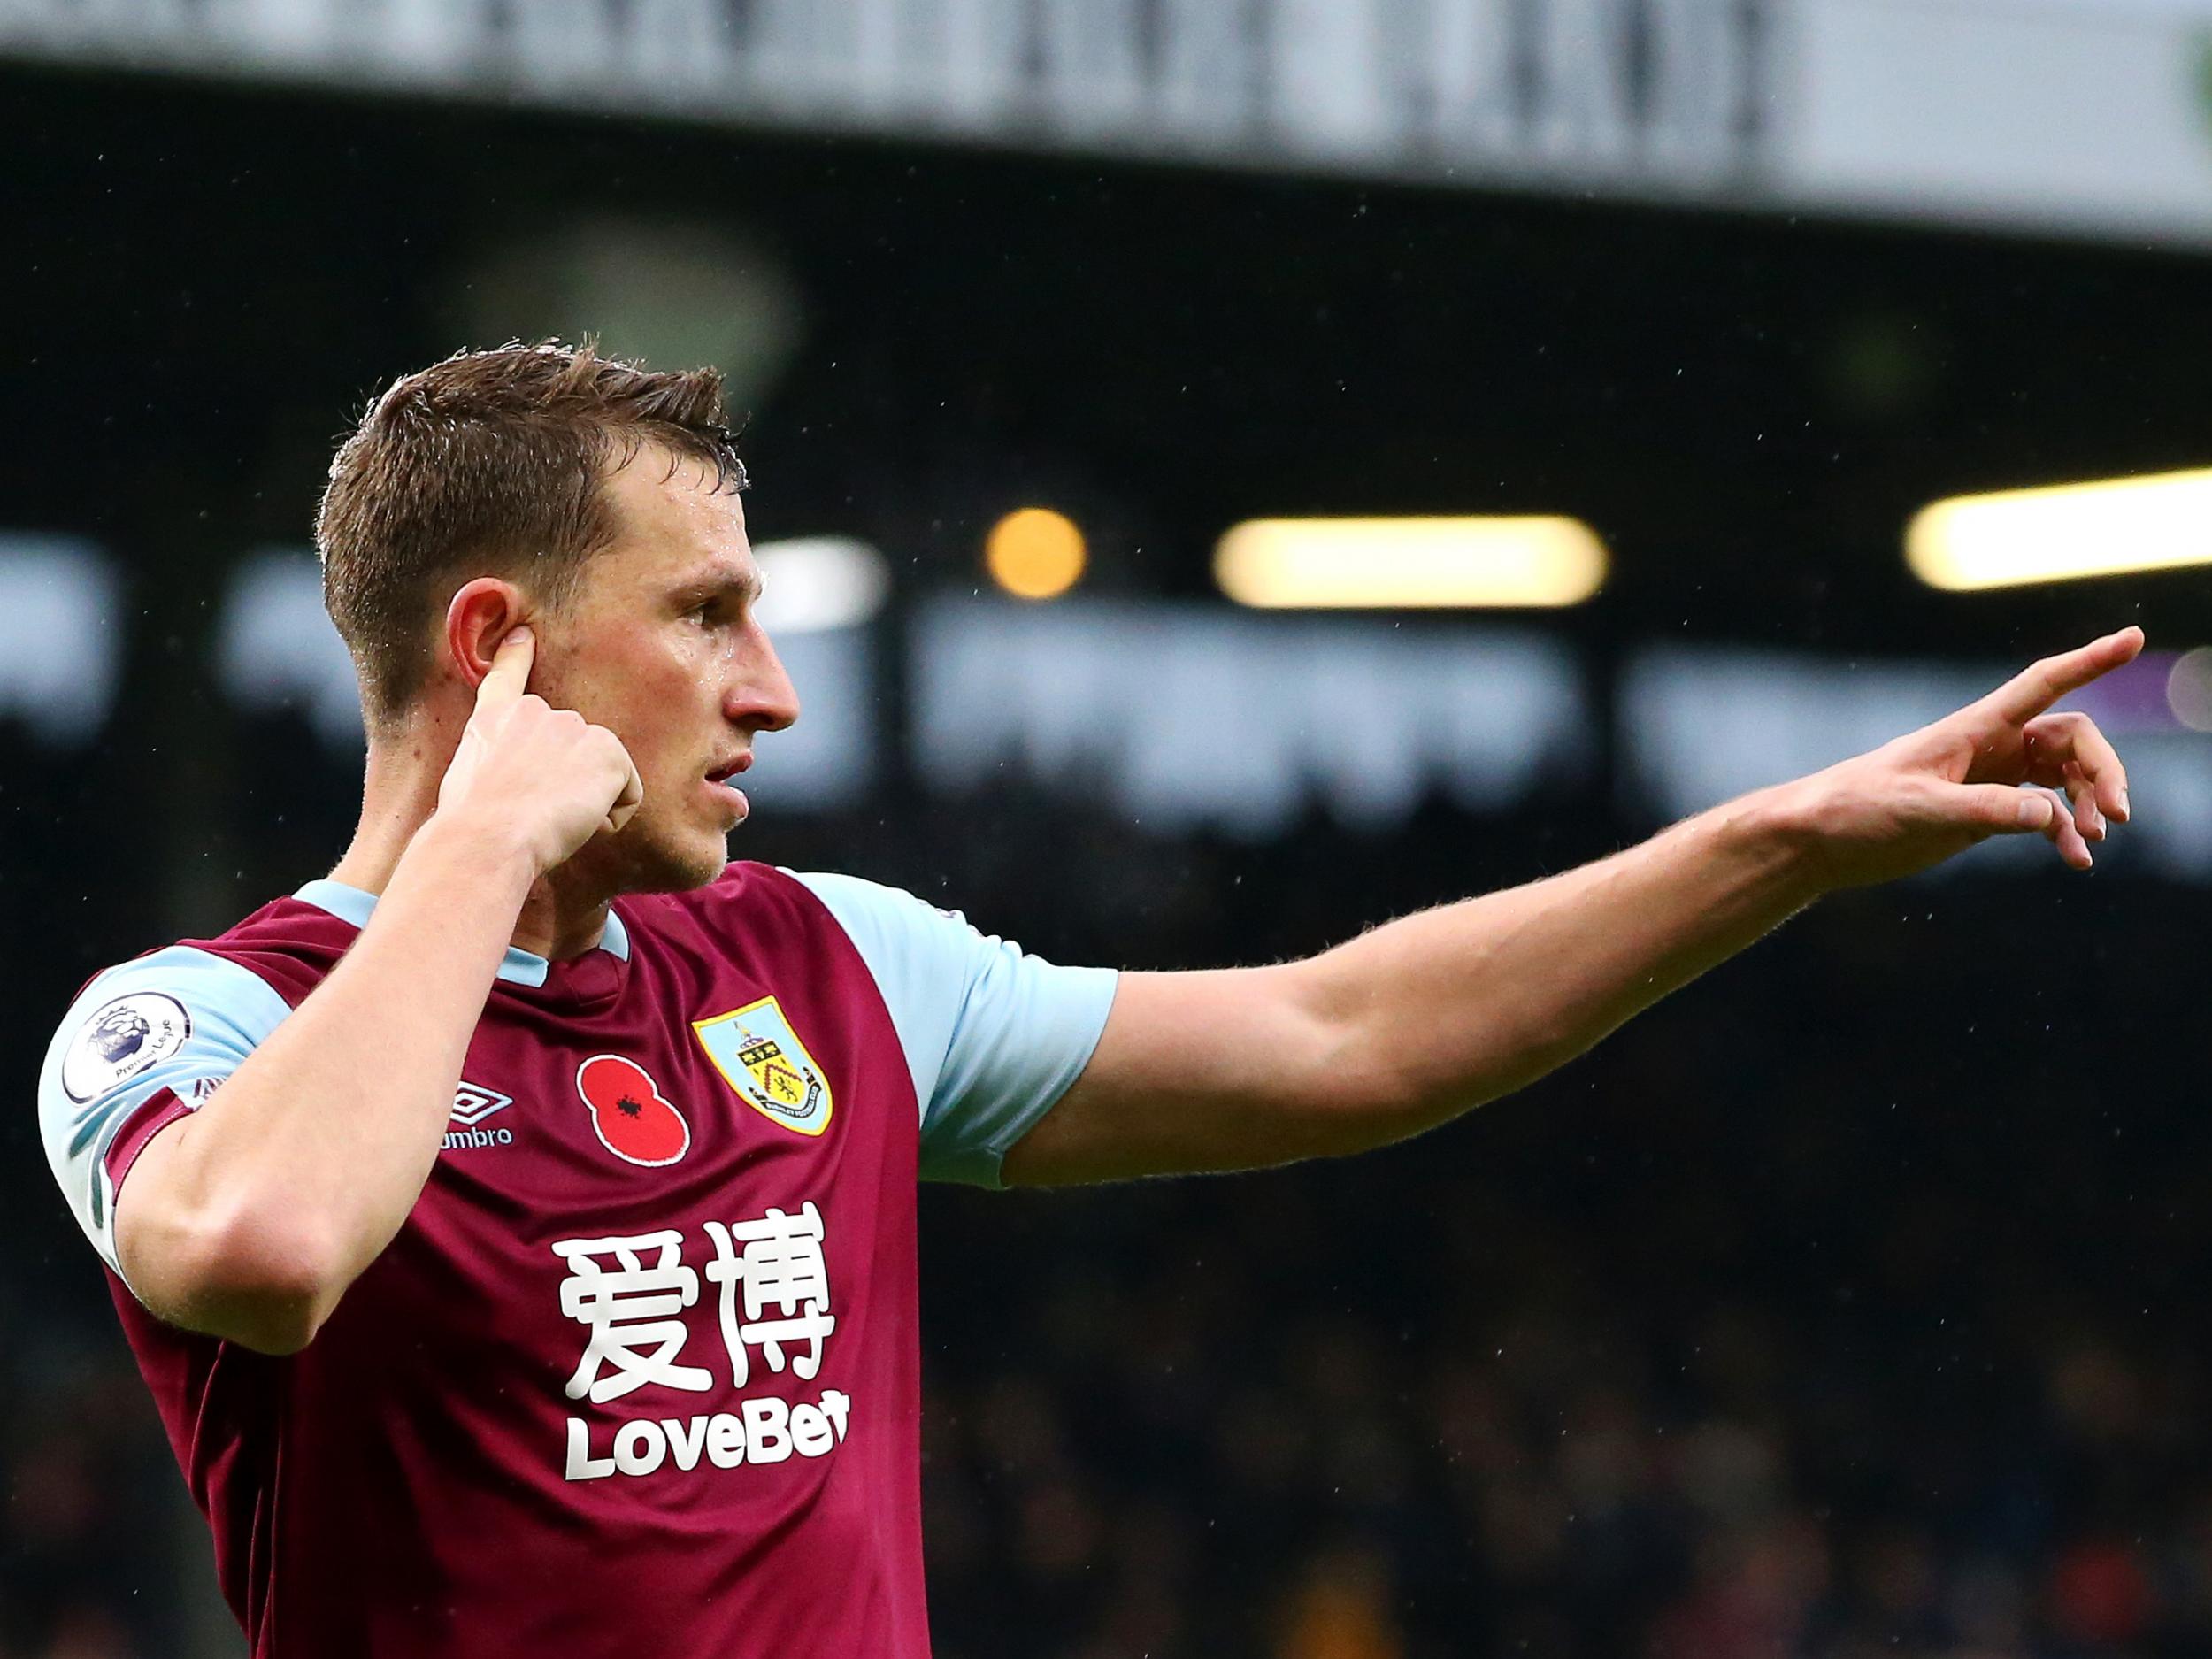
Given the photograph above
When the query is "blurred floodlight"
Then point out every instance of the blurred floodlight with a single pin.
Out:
(813, 583)
(1035, 553)
(2063, 532)
(1395, 563)
(2188, 688)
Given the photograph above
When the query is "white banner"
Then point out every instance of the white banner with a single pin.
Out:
(2081, 115)
(2084, 115)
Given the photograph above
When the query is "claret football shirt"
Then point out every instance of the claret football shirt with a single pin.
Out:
(639, 1373)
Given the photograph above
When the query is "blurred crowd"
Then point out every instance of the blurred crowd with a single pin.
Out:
(1842, 1307)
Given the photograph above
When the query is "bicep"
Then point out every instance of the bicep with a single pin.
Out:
(1223, 1070)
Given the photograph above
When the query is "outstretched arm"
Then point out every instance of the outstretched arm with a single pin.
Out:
(1416, 1022)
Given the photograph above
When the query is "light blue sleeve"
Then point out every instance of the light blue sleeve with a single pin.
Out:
(179, 1020)
(993, 1037)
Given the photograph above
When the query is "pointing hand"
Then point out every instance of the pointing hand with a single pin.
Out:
(2003, 766)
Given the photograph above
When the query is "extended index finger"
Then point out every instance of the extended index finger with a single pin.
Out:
(2036, 688)
(509, 675)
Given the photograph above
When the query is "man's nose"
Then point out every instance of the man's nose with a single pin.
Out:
(761, 694)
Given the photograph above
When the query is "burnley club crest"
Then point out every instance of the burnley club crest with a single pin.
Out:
(761, 1058)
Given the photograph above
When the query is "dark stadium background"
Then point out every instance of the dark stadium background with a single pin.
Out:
(1851, 1304)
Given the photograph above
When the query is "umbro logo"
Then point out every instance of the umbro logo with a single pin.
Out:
(472, 1103)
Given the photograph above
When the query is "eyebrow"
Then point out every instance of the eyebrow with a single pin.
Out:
(746, 588)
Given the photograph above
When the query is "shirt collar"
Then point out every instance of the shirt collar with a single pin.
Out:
(518, 967)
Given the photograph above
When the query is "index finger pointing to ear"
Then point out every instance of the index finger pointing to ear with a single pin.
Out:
(509, 675)
(2028, 693)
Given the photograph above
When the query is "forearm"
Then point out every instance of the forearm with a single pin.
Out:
(300, 1168)
(1459, 1005)
(1419, 1020)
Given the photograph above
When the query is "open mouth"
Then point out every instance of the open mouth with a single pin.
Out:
(729, 770)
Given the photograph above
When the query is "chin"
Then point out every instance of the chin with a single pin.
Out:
(652, 859)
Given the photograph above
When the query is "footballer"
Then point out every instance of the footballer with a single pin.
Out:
(516, 1228)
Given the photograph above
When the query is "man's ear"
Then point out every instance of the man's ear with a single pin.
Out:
(482, 613)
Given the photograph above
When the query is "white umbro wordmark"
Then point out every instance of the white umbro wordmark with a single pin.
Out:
(472, 1103)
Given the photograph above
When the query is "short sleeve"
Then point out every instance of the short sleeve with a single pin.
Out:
(993, 1036)
(142, 1045)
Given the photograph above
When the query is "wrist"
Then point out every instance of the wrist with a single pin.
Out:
(1778, 832)
(491, 856)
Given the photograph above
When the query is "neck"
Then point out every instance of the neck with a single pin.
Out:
(559, 919)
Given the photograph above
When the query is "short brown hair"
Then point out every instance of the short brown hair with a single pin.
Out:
(490, 463)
